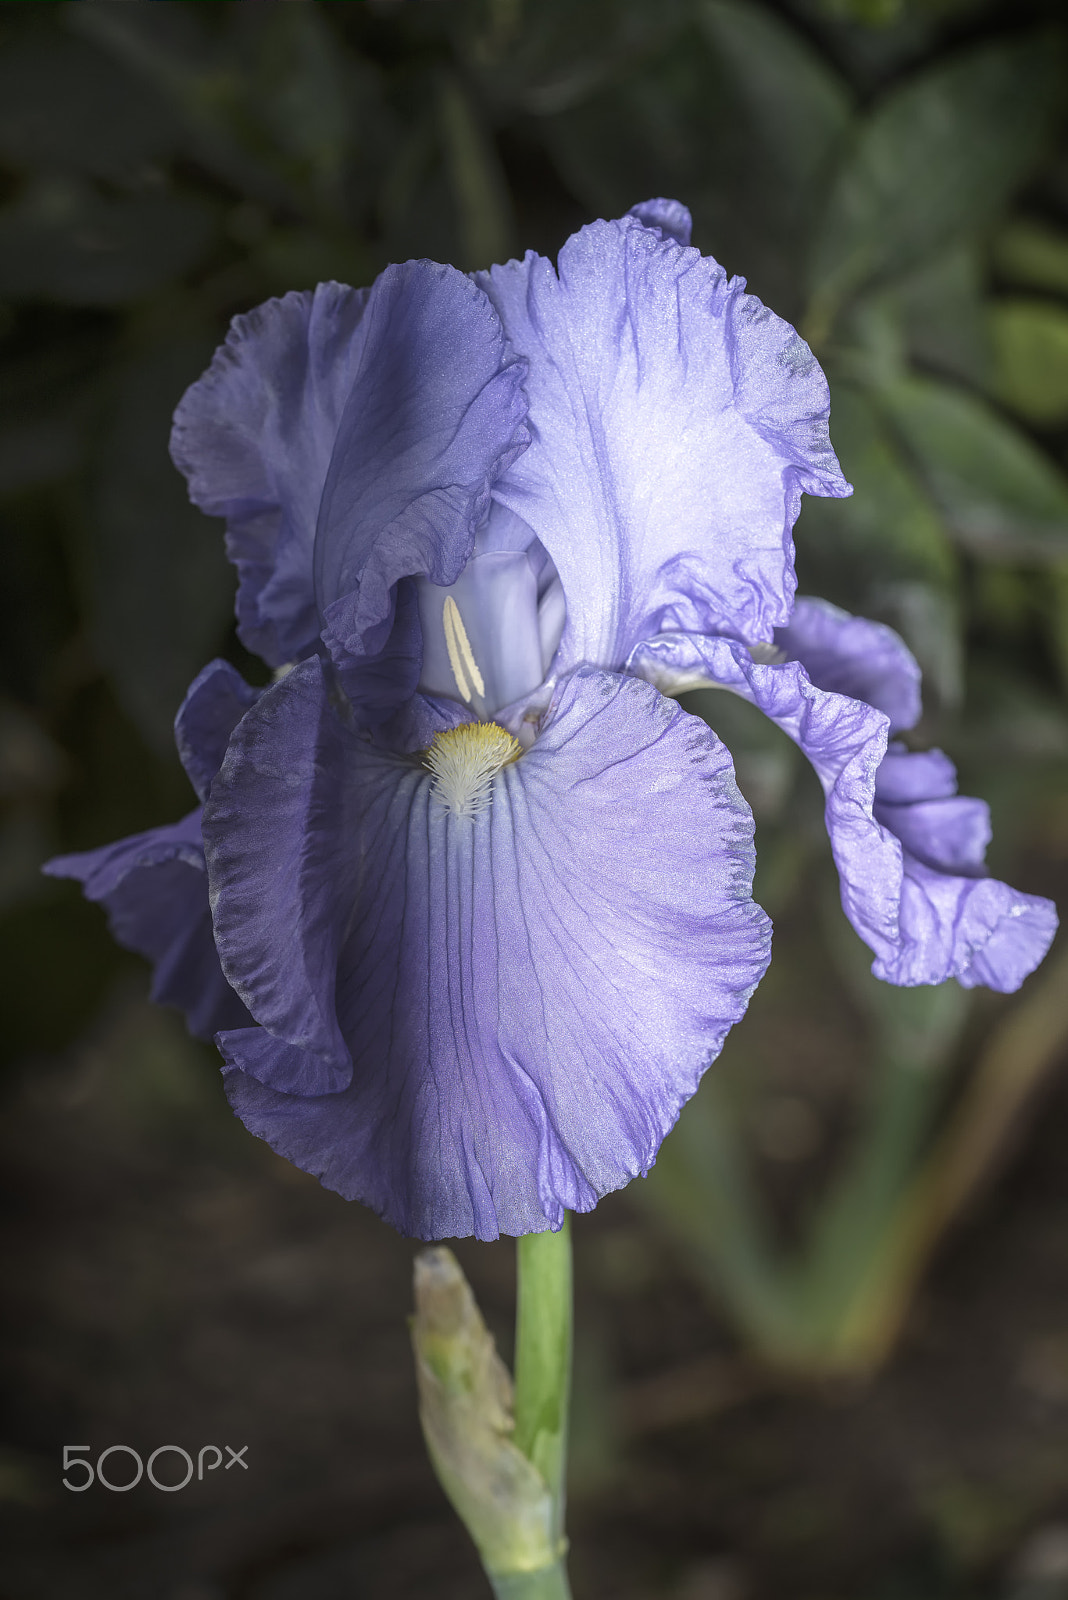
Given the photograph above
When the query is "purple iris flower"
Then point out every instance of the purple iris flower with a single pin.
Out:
(483, 892)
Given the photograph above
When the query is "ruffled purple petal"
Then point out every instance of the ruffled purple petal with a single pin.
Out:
(675, 423)
(215, 702)
(958, 922)
(154, 888)
(670, 216)
(909, 851)
(378, 417)
(955, 921)
(844, 739)
(527, 996)
(255, 436)
(379, 681)
(435, 416)
(269, 836)
(853, 656)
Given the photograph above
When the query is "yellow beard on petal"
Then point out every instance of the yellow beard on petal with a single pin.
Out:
(465, 761)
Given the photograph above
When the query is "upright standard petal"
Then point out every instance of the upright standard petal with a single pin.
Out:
(154, 889)
(399, 403)
(527, 995)
(670, 216)
(675, 422)
(437, 413)
(255, 436)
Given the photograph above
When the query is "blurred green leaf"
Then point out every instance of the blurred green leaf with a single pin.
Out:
(885, 550)
(999, 494)
(930, 618)
(55, 959)
(299, 258)
(1056, 597)
(1033, 254)
(170, 51)
(46, 396)
(303, 87)
(796, 104)
(160, 589)
(738, 119)
(935, 161)
(479, 187)
(63, 241)
(633, 136)
(942, 314)
(64, 104)
(869, 13)
(548, 57)
(1030, 340)
(888, 530)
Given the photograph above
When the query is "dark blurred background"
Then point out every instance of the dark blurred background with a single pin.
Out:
(823, 1352)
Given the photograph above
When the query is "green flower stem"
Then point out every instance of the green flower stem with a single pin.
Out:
(543, 1365)
(548, 1584)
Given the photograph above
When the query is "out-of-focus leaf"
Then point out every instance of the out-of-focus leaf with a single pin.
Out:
(54, 964)
(872, 351)
(1033, 254)
(869, 13)
(918, 1027)
(739, 120)
(1014, 723)
(551, 55)
(765, 761)
(1056, 596)
(797, 105)
(299, 258)
(929, 617)
(160, 589)
(626, 139)
(44, 401)
(934, 161)
(416, 202)
(36, 451)
(30, 762)
(170, 51)
(478, 183)
(1030, 339)
(942, 314)
(64, 104)
(303, 90)
(62, 241)
(999, 494)
(37, 610)
(884, 551)
(888, 530)
(32, 767)
(25, 845)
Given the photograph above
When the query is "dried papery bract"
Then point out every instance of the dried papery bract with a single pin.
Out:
(466, 1408)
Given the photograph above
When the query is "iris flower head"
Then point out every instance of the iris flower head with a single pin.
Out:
(468, 903)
